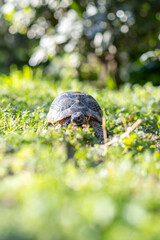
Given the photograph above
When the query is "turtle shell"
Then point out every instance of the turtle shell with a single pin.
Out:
(65, 104)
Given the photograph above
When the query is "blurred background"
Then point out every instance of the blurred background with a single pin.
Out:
(105, 42)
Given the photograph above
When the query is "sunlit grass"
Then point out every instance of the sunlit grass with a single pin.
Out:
(95, 193)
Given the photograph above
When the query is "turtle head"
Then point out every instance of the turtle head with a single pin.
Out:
(78, 118)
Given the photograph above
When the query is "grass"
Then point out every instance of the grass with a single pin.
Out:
(46, 194)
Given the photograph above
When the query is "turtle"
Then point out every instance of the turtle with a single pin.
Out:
(78, 108)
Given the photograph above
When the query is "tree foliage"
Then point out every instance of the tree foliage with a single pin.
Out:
(92, 37)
